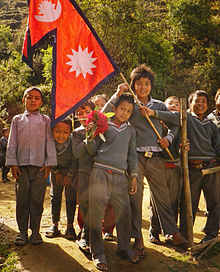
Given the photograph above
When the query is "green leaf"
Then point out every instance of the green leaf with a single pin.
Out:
(109, 114)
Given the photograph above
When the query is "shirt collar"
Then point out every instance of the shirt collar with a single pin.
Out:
(196, 116)
(26, 112)
(149, 103)
(114, 125)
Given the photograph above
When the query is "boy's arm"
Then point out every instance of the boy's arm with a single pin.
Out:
(78, 146)
(216, 140)
(11, 152)
(132, 156)
(50, 152)
(111, 102)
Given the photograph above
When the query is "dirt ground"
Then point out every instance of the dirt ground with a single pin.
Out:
(59, 254)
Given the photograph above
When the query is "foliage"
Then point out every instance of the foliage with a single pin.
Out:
(9, 258)
(5, 41)
(179, 39)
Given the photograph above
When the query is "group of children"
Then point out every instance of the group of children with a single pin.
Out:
(107, 176)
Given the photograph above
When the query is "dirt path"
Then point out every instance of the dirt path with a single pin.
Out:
(61, 255)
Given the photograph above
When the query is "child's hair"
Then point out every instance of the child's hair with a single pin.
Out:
(68, 121)
(142, 71)
(172, 97)
(87, 103)
(198, 93)
(98, 96)
(31, 89)
(217, 95)
(125, 97)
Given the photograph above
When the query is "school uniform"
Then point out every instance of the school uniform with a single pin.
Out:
(150, 165)
(67, 164)
(30, 146)
(204, 138)
(174, 184)
(109, 184)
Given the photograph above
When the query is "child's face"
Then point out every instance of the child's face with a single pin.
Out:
(6, 133)
(61, 132)
(82, 114)
(199, 106)
(123, 112)
(172, 104)
(100, 103)
(218, 103)
(32, 101)
(142, 88)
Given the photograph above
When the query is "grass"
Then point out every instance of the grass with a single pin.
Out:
(9, 259)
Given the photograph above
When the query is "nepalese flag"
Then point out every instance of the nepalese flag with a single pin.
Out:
(81, 63)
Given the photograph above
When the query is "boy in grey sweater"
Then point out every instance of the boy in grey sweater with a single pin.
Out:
(204, 138)
(109, 183)
(62, 178)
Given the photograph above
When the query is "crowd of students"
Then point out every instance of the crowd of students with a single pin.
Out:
(106, 177)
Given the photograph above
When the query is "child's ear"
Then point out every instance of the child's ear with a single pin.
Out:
(22, 100)
(113, 108)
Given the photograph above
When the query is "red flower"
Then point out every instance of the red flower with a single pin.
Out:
(96, 123)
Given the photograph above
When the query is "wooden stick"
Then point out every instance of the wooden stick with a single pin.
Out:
(212, 244)
(188, 201)
(148, 118)
(198, 247)
(210, 170)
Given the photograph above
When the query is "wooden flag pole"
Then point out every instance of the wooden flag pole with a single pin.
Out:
(188, 201)
(148, 119)
(210, 170)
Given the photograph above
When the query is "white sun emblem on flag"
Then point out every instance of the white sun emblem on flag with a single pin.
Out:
(81, 62)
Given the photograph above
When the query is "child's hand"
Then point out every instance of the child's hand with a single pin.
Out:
(67, 181)
(47, 171)
(123, 87)
(164, 142)
(59, 179)
(15, 171)
(133, 188)
(146, 111)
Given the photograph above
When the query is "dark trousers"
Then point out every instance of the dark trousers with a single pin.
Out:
(30, 192)
(5, 171)
(110, 188)
(83, 198)
(56, 200)
(160, 210)
(174, 184)
(209, 185)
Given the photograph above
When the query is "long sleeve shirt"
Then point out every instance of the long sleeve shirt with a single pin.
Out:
(30, 141)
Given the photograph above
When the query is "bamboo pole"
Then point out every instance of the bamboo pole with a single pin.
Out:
(188, 201)
(148, 119)
(211, 170)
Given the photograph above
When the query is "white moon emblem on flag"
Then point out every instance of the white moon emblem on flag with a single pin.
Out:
(81, 62)
(48, 12)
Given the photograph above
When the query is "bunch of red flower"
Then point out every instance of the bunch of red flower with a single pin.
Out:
(97, 123)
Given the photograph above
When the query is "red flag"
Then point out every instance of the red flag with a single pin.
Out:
(81, 63)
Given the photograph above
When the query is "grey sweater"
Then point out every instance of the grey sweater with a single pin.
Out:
(204, 136)
(80, 150)
(118, 153)
(67, 164)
